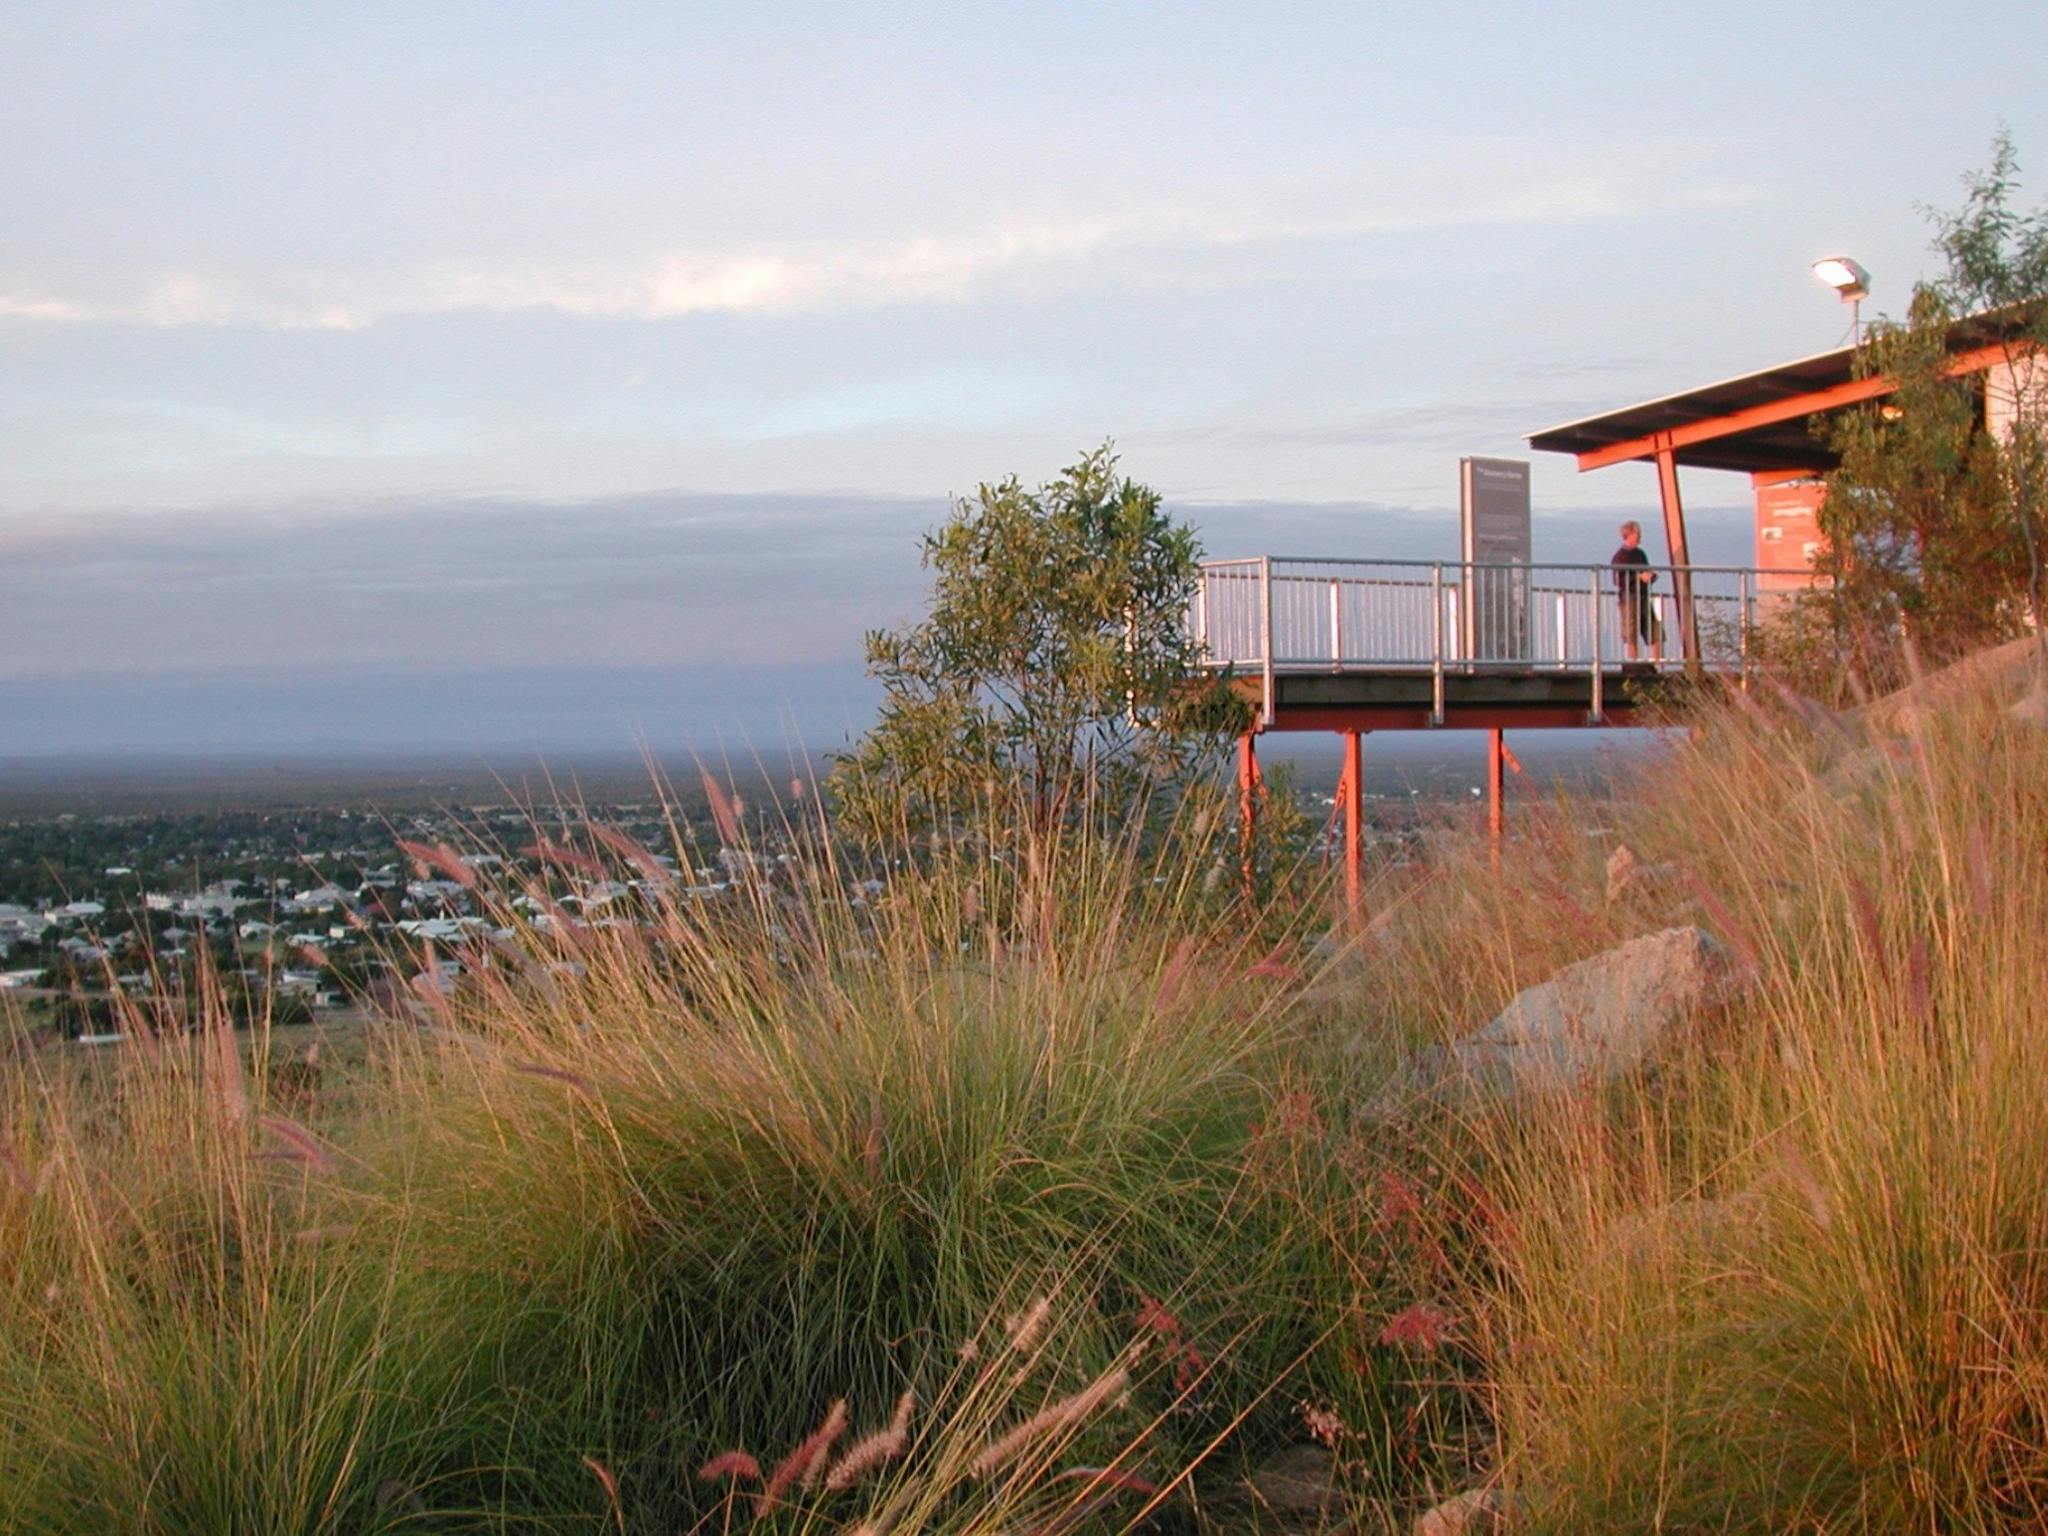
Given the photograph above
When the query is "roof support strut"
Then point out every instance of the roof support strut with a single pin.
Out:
(1681, 557)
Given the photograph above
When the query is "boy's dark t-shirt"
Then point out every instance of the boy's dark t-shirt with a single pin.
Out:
(1628, 582)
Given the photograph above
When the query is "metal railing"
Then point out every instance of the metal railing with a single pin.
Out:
(1274, 614)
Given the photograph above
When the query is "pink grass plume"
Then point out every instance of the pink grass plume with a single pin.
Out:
(580, 1086)
(629, 850)
(872, 1451)
(733, 1466)
(611, 1490)
(439, 857)
(230, 1087)
(1051, 1420)
(1173, 979)
(562, 855)
(805, 1464)
(723, 813)
(1275, 965)
(299, 1145)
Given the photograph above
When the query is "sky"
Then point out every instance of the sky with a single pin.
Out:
(380, 375)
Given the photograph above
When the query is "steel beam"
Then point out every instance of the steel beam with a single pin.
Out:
(1416, 717)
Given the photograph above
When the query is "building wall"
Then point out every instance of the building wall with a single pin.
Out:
(2007, 386)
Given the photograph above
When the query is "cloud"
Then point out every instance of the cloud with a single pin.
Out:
(16, 307)
(822, 276)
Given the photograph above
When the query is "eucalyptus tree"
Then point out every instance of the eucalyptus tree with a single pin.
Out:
(1053, 672)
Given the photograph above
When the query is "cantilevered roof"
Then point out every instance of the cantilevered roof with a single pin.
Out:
(1758, 421)
(1784, 443)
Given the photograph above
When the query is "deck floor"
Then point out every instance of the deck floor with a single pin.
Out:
(1365, 699)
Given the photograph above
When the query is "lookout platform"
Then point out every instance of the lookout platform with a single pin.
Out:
(1333, 644)
(1356, 646)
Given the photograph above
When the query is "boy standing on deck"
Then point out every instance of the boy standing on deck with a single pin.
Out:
(1632, 578)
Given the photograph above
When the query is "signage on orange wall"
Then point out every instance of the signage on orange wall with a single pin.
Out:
(1788, 536)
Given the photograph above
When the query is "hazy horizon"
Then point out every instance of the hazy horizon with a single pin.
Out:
(633, 587)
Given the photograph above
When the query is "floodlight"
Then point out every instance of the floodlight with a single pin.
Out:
(1845, 275)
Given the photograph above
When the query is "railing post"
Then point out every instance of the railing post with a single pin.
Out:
(1436, 644)
(1202, 646)
(1336, 624)
(1599, 681)
(1266, 632)
(1742, 622)
(1563, 634)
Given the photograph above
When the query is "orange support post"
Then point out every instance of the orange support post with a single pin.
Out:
(1248, 786)
(1351, 790)
(1496, 787)
(1674, 539)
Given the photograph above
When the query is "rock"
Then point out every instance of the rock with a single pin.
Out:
(1594, 1021)
(1481, 1512)
(1301, 1480)
(1911, 707)
(1720, 1228)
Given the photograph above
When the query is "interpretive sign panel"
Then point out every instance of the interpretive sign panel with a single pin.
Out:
(1493, 500)
(1788, 535)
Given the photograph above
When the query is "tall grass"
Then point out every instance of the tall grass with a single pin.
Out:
(1795, 1279)
(631, 1197)
(1039, 1178)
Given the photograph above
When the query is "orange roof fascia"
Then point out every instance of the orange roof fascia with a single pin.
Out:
(1832, 398)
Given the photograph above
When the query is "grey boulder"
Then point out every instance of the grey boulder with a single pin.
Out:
(1592, 1022)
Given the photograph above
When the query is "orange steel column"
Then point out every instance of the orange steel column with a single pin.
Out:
(1351, 790)
(1674, 539)
(1247, 812)
(1496, 786)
